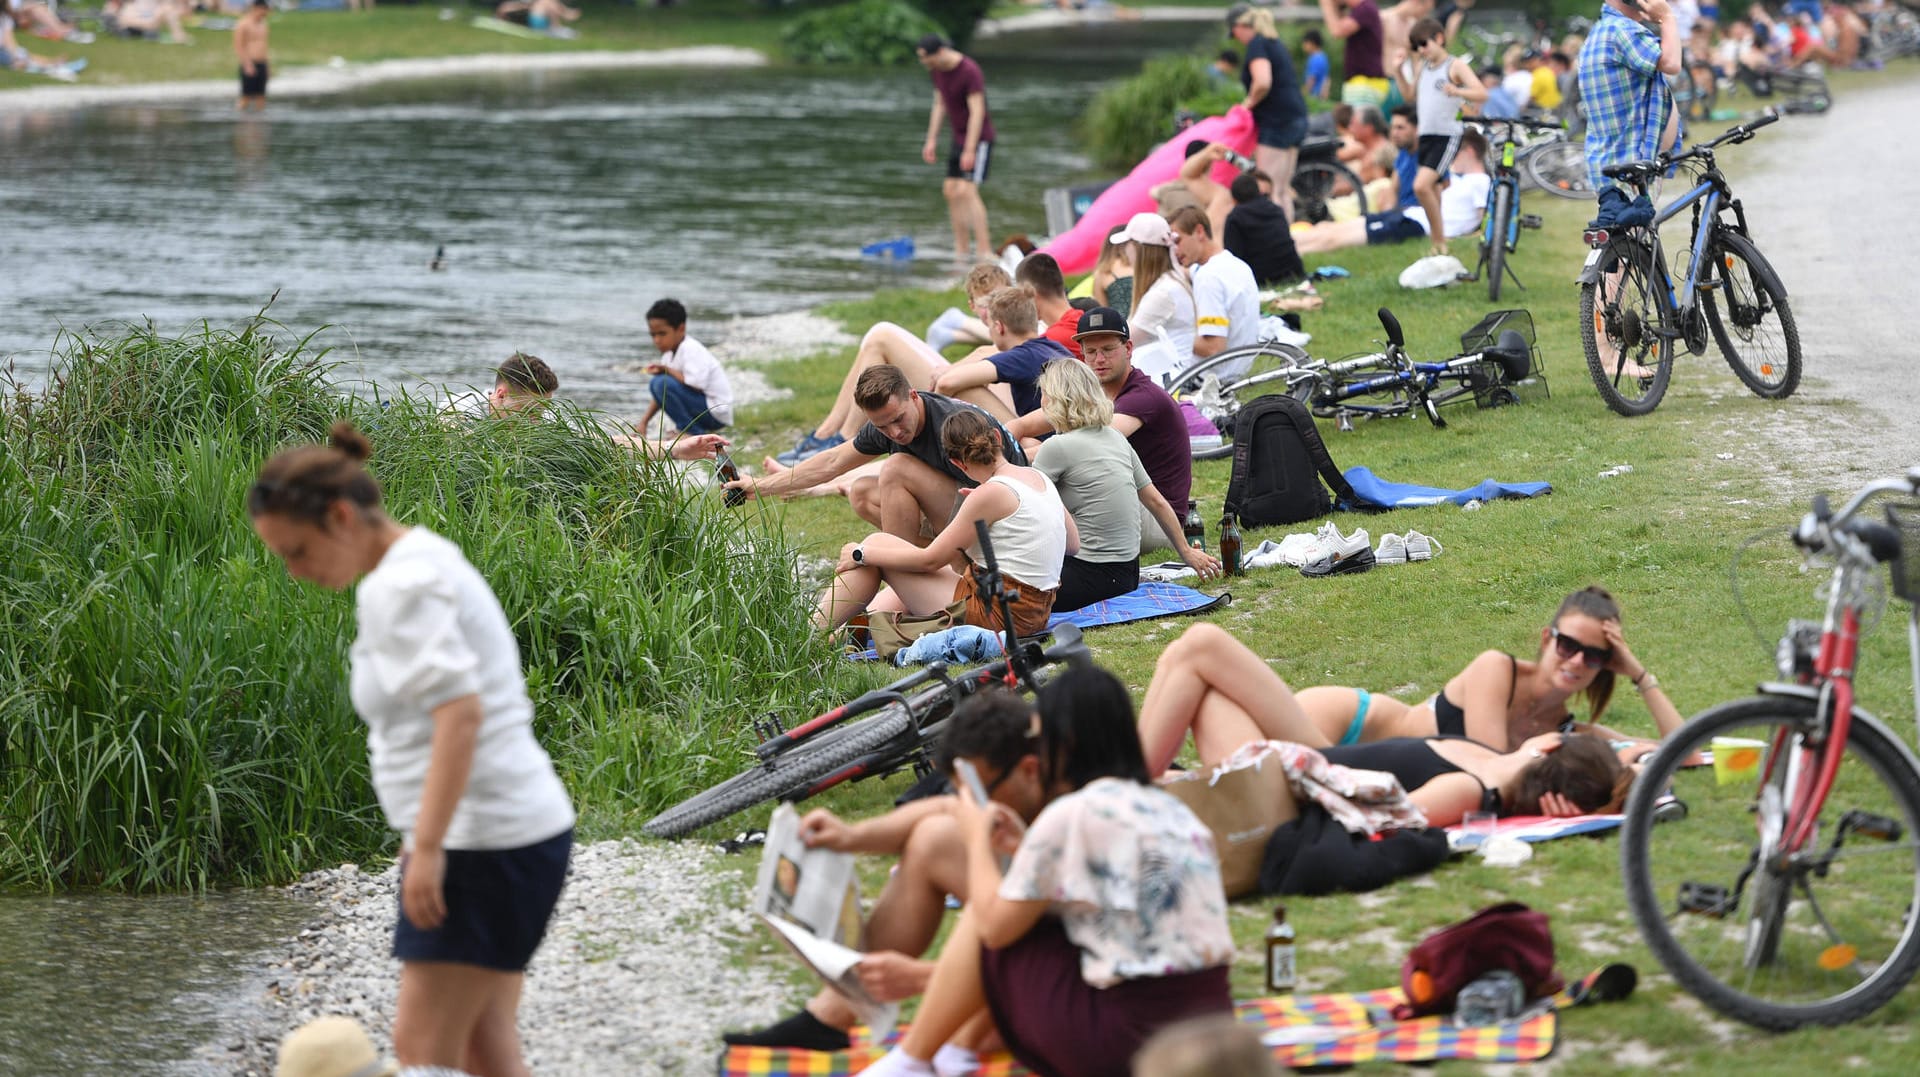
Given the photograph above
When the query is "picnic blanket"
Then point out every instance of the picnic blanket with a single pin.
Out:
(1374, 491)
(1337, 1029)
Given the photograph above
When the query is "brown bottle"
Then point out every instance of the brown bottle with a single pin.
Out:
(723, 464)
(1230, 545)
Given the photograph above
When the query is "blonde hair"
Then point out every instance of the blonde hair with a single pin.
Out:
(1151, 262)
(1071, 396)
(985, 280)
(1260, 19)
(1014, 308)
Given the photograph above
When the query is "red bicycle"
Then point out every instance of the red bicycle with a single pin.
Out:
(1789, 894)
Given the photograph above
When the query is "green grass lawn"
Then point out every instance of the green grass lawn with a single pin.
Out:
(392, 32)
(1712, 466)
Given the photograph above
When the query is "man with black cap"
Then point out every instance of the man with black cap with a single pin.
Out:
(1142, 410)
(960, 97)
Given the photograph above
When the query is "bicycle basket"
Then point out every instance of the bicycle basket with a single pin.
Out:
(1493, 382)
(1905, 519)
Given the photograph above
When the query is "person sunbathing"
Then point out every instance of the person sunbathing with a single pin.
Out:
(1210, 686)
(1501, 700)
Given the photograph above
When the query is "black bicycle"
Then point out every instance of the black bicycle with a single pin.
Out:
(1319, 178)
(1633, 311)
(881, 732)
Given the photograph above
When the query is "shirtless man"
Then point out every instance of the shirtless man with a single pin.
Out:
(250, 44)
(1196, 175)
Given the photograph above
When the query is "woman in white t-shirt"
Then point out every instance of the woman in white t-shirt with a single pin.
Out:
(435, 674)
(1162, 318)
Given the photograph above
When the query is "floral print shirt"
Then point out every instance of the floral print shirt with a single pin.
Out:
(1132, 875)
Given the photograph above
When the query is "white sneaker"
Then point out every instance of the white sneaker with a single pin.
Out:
(1422, 547)
(1298, 549)
(1392, 551)
(1352, 544)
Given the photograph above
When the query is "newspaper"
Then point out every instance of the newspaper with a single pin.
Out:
(810, 900)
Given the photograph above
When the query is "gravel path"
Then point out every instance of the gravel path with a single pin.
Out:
(636, 976)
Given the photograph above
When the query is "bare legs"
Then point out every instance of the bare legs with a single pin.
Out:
(969, 215)
(906, 493)
(459, 1016)
(1278, 164)
(1426, 187)
(860, 589)
(1331, 236)
(1210, 684)
(888, 344)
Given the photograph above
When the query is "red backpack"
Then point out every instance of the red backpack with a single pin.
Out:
(1508, 936)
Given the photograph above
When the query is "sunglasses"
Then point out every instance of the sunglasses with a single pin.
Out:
(1566, 646)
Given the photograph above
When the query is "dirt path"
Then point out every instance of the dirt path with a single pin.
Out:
(1831, 204)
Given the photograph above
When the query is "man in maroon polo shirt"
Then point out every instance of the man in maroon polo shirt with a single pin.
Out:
(960, 97)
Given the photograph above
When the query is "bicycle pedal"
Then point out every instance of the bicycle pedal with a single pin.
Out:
(1869, 825)
(1530, 220)
(1707, 899)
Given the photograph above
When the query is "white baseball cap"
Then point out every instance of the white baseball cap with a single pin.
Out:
(1145, 228)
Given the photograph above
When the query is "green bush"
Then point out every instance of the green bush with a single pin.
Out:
(1128, 119)
(957, 18)
(874, 32)
(173, 707)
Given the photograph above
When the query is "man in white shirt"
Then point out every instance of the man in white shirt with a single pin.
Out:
(1226, 300)
(687, 381)
(1462, 202)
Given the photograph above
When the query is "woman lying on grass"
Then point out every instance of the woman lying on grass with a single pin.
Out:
(1109, 922)
(1501, 700)
(1031, 531)
(1211, 685)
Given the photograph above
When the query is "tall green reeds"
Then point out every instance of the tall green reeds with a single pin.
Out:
(173, 708)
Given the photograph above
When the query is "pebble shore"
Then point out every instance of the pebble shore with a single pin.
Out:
(636, 977)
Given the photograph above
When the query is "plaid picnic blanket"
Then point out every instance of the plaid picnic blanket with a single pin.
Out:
(1360, 1028)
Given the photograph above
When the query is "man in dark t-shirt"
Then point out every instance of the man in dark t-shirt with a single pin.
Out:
(1358, 24)
(1142, 410)
(960, 98)
(913, 496)
(1014, 326)
(1257, 233)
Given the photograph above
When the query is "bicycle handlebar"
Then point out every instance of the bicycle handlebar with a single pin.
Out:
(1819, 528)
(1515, 121)
(1639, 170)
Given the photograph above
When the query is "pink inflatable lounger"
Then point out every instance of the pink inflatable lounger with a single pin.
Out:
(1076, 248)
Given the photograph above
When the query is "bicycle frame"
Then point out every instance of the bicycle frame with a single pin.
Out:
(1708, 200)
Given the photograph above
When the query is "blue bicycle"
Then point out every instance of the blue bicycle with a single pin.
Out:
(1632, 312)
(1500, 229)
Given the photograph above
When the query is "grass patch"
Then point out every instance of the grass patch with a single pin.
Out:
(173, 707)
(1708, 470)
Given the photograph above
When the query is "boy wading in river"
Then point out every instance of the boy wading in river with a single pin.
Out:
(250, 44)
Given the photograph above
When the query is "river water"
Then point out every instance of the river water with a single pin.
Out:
(566, 203)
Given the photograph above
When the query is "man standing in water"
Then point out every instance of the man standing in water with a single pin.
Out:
(250, 44)
(960, 96)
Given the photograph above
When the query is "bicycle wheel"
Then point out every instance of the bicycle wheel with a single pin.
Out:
(1623, 324)
(785, 776)
(1559, 168)
(1499, 221)
(1220, 386)
(1314, 186)
(1756, 332)
(1822, 936)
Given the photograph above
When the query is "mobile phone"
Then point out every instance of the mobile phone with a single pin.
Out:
(971, 777)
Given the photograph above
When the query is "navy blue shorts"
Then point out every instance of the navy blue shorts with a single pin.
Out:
(1392, 226)
(1285, 135)
(498, 905)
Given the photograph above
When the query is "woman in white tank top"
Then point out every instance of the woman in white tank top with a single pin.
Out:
(1031, 531)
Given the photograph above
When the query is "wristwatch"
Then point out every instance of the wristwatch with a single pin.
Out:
(859, 555)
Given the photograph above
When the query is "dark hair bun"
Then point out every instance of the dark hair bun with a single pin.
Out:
(347, 438)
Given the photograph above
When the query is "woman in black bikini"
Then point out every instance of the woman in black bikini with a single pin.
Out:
(1229, 697)
(1501, 700)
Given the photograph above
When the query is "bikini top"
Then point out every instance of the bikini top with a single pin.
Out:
(1410, 759)
(1450, 719)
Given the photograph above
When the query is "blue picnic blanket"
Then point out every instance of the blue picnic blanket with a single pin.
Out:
(1374, 491)
(1145, 602)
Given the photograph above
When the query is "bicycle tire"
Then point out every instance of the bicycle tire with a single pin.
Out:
(1218, 387)
(1749, 287)
(1314, 183)
(1498, 221)
(785, 774)
(1560, 169)
(1777, 975)
(1633, 317)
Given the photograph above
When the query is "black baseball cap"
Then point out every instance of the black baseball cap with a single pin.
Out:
(932, 43)
(1235, 12)
(1100, 320)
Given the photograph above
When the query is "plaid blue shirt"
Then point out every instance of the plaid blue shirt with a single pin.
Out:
(1626, 95)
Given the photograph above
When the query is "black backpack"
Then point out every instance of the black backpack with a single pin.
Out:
(1279, 463)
